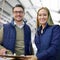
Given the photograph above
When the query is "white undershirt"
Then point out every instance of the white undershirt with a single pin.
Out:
(20, 26)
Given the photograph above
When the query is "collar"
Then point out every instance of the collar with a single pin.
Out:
(20, 26)
(40, 28)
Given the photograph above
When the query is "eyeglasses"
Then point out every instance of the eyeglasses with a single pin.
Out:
(21, 12)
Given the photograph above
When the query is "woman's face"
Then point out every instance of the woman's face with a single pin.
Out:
(42, 16)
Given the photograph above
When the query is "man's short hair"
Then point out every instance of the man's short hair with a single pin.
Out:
(18, 5)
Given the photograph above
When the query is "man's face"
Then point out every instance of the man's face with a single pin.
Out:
(18, 14)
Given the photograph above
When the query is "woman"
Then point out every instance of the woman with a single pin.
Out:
(47, 36)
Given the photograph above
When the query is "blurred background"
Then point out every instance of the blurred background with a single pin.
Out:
(31, 7)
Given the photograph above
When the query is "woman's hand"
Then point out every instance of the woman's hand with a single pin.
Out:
(29, 57)
(32, 57)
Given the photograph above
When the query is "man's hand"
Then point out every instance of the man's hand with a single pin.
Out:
(3, 51)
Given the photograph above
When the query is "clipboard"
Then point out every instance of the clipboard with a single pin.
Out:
(14, 57)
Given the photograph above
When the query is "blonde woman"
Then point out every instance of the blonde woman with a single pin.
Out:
(47, 37)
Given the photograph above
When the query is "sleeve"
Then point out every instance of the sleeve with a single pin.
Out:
(53, 49)
(1, 36)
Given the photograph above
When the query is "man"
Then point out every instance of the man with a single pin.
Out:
(15, 37)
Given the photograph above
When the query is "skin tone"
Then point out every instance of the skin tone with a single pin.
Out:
(43, 17)
(29, 57)
(2, 51)
(18, 15)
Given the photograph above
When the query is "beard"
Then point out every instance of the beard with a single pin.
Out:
(18, 20)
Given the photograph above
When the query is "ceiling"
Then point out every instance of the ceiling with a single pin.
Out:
(53, 6)
(32, 6)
